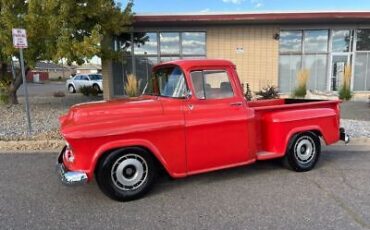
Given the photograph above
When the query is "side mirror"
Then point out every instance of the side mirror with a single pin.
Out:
(188, 94)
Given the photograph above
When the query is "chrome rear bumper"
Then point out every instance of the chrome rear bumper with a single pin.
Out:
(344, 136)
(69, 177)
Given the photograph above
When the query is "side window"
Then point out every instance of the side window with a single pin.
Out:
(78, 78)
(85, 78)
(214, 84)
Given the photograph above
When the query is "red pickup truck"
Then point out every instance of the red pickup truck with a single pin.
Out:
(192, 118)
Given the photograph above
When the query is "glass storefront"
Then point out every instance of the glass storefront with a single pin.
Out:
(151, 48)
(324, 53)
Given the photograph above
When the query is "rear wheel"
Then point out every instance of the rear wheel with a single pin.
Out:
(126, 174)
(303, 152)
(96, 87)
(71, 89)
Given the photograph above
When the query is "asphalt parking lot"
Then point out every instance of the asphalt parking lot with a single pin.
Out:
(336, 195)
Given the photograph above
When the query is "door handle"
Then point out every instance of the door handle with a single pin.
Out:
(239, 103)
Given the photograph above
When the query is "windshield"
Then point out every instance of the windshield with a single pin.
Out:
(95, 77)
(167, 82)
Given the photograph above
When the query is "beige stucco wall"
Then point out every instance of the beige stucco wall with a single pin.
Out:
(258, 64)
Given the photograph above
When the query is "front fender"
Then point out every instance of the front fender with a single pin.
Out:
(130, 143)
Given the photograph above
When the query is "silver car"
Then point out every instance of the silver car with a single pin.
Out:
(75, 83)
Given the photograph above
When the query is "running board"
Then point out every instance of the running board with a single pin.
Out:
(264, 155)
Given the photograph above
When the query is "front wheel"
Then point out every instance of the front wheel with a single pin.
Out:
(126, 174)
(303, 152)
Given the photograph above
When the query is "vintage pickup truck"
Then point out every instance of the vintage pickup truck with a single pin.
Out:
(192, 118)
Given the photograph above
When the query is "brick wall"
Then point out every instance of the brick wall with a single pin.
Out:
(257, 61)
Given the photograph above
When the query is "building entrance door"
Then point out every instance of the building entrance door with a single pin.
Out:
(338, 63)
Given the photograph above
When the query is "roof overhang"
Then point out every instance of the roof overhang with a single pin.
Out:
(335, 17)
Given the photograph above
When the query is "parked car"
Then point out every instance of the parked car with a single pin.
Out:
(192, 118)
(75, 83)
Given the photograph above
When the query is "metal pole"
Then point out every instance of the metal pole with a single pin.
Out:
(25, 92)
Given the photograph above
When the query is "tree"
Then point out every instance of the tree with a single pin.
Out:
(56, 29)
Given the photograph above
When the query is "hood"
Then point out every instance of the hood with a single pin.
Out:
(102, 111)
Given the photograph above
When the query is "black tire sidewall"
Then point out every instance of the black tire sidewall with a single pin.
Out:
(292, 159)
(96, 86)
(71, 86)
(104, 180)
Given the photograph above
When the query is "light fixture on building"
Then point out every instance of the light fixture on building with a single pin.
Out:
(276, 36)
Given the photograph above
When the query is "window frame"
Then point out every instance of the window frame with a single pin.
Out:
(203, 80)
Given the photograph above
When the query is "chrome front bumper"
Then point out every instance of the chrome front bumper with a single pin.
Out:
(344, 136)
(69, 177)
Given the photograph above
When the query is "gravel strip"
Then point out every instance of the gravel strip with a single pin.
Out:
(45, 113)
(356, 128)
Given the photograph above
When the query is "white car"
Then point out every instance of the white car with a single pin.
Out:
(75, 83)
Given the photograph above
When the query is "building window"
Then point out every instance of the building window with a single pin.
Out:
(303, 49)
(193, 43)
(341, 40)
(151, 48)
(290, 41)
(170, 43)
(363, 40)
(316, 41)
(146, 44)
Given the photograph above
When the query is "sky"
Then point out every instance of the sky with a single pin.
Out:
(197, 6)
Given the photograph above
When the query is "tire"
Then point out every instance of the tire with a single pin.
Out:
(303, 152)
(96, 87)
(71, 89)
(126, 174)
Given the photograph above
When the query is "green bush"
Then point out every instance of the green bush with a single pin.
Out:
(300, 92)
(268, 92)
(89, 90)
(248, 93)
(345, 90)
(4, 90)
(345, 93)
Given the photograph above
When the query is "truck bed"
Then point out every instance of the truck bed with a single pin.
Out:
(278, 117)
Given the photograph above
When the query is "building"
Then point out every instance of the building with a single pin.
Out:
(54, 71)
(267, 48)
(88, 68)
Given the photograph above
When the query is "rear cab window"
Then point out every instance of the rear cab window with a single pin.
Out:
(211, 84)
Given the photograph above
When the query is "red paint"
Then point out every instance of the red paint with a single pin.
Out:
(212, 135)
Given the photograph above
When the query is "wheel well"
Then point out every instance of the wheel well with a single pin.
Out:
(106, 153)
(70, 84)
(314, 131)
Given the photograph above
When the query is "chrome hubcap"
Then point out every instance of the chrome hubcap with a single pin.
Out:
(71, 89)
(304, 149)
(129, 172)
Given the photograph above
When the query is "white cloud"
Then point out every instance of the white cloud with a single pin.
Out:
(205, 10)
(257, 3)
(233, 1)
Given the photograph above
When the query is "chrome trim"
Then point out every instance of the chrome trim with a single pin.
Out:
(69, 177)
(344, 136)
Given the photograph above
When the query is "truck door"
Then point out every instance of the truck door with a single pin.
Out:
(216, 122)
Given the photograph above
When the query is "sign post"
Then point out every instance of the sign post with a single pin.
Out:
(20, 42)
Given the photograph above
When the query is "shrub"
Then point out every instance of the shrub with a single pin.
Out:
(89, 90)
(302, 78)
(248, 93)
(268, 92)
(345, 90)
(59, 94)
(131, 86)
(4, 89)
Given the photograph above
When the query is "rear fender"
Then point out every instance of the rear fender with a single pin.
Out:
(280, 127)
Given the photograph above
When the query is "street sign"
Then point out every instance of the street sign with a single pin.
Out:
(19, 38)
(20, 42)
